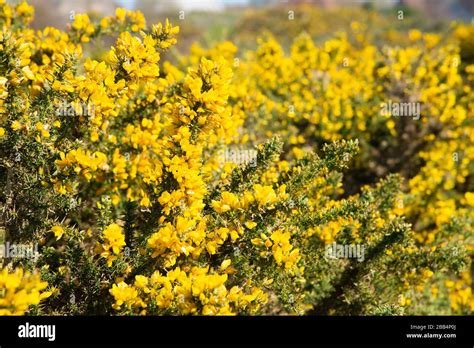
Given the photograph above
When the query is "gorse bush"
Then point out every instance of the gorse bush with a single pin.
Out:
(378, 26)
(220, 184)
(344, 88)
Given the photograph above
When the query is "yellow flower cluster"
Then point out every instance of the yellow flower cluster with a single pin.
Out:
(336, 90)
(83, 30)
(130, 149)
(19, 290)
(85, 162)
(20, 13)
(114, 241)
(461, 293)
(196, 291)
(165, 34)
(262, 195)
(282, 250)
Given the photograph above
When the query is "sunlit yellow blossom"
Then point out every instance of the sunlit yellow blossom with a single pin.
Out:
(58, 231)
(19, 290)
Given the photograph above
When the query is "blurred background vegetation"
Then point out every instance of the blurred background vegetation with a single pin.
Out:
(241, 21)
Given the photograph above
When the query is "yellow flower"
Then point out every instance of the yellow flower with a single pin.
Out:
(145, 202)
(16, 125)
(23, 9)
(469, 198)
(123, 294)
(141, 281)
(165, 34)
(19, 290)
(404, 301)
(114, 238)
(250, 224)
(120, 14)
(140, 59)
(94, 136)
(427, 273)
(114, 241)
(264, 194)
(225, 264)
(227, 202)
(28, 73)
(58, 231)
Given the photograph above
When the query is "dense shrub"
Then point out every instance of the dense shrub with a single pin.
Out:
(218, 185)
